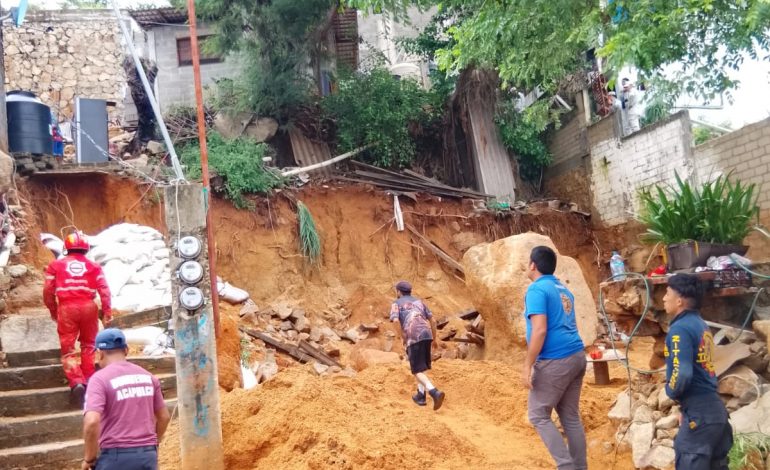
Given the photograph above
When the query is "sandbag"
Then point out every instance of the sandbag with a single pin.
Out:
(117, 274)
(230, 293)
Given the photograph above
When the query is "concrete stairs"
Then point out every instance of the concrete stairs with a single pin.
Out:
(39, 429)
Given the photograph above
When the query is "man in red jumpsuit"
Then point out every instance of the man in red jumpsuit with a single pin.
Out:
(74, 281)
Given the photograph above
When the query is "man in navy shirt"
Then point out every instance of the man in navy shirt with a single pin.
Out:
(555, 363)
(705, 436)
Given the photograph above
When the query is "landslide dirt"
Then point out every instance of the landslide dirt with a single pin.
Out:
(301, 421)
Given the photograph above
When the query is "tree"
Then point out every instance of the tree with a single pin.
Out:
(538, 42)
(279, 41)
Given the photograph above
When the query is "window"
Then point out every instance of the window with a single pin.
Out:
(184, 52)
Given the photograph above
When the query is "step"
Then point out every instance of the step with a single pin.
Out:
(33, 358)
(155, 317)
(33, 430)
(25, 378)
(58, 455)
(17, 403)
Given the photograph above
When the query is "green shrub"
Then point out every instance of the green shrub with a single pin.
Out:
(309, 239)
(374, 107)
(237, 161)
(522, 134)
(747, 451)
(719, 212)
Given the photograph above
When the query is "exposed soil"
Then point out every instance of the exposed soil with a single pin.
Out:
(299, 420)
(369, 422)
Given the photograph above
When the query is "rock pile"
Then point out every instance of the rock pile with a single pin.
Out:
(648, 423)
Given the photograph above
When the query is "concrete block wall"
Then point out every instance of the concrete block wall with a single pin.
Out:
(571, 140)
(174, 83)
(744, 153)
(620, 168)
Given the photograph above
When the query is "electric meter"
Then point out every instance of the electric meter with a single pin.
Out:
(191, 298)
(191, 272)
(189, 247)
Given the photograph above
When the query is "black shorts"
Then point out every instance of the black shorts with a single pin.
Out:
(419, 356)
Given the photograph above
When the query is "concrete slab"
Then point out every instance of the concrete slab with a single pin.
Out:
(21, 333)
(51, 455)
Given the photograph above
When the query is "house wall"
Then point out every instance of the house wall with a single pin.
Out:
(174, 83)
(82, 56)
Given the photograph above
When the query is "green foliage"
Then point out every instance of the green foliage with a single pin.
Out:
(721, 211)
(522, 134)
(276, 41)
(309, 240)
(747, 451)
(237, 161)
(702, 134)
(373, 107)
(538, 42)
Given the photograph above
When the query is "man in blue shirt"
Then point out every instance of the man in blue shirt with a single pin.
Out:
(555, 363)
(705, 436)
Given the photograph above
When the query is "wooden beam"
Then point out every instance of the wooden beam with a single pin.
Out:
(285, 348)
(319, 355)
(468, 314)
(442, 322)
(436, 250)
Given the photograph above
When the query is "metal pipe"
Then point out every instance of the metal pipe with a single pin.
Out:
(150, 95)
(196, 64)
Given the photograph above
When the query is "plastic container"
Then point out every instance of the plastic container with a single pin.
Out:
(692, 254)
(617, 266)
(29, 124)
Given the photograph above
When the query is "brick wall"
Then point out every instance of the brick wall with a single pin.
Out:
(745, 153)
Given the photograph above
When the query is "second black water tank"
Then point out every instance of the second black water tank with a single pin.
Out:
(29, 123)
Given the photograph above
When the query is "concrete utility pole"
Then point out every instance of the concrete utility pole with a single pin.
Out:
(200, 420)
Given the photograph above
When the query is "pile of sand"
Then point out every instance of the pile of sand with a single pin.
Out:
(299, 420)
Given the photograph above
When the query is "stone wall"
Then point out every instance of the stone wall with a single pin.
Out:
(81, 56)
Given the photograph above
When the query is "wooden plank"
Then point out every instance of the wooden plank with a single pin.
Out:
(396, 187)
(436, 250)
(468, 314)
(416, 185)
(449, 334)
(285, 348)
(442, 322)
(434, 182)
(319, 355)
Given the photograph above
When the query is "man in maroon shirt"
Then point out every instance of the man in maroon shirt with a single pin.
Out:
(125, 415)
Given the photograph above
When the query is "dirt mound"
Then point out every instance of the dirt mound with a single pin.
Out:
(302, 421)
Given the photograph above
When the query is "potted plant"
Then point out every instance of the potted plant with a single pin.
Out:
(697, 223)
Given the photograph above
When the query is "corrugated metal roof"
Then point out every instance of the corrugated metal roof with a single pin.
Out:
(307, 152)
(159, 16)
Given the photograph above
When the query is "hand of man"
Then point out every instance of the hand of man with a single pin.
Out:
(107, 319)
(87, 466)
(526, 377)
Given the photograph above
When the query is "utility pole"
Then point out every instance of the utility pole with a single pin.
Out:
(204, 157)
(3, 114)
(200, 417)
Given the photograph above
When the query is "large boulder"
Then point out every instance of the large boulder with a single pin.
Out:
(740, 382)
(496, 274)
(640, 437)
(660, 457)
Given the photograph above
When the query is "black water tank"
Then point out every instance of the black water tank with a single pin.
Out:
(29, 123)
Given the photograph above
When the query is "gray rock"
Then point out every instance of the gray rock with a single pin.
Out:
(640, 437)
(757, 362)
(315, 334)
(352, 335)
(757, 346)
(656, 415)
(668, 422)
(664, 402)
(643, 414)
(762, 329)
(297, 313)
(320, 369)
(17, 270)
(286, 326)
(282, 310)
(754, 417)
(21, 333)
(652, 401)
(329, 334)
(740, 382)
(660, 456)
(621, 411)
(304, 336)
(155, 148)
(302, 325)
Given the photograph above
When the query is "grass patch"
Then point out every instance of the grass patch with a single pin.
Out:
(748, 451)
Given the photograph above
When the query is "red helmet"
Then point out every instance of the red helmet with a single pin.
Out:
(76, 241)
